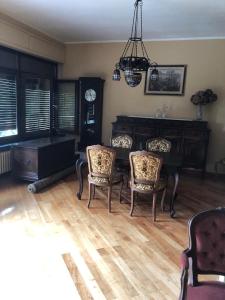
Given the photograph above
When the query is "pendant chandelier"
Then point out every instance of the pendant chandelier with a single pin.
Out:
(134, 59)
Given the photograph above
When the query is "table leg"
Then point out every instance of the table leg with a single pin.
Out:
(80, 163)
(174, 194)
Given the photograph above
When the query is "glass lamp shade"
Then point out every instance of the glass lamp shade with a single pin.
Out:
(116, 75)
(154, 74)
(133, 80)
(128, 72)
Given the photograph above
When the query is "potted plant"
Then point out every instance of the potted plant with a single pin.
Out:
(202, 98)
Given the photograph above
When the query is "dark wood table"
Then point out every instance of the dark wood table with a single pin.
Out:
(172, 163)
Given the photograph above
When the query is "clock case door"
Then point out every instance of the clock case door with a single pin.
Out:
(90, 112)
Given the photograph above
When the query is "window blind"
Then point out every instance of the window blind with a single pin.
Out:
(66, 112)
(8, 105)
(37, 105)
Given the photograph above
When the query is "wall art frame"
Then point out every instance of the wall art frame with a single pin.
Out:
(171, 80)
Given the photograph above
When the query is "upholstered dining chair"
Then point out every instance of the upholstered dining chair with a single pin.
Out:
(101, 171)
(126, 142)
(158, 145)
(122, 141)
(145, 177)
(205, 255)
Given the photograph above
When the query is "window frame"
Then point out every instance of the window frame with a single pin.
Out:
(17, 71)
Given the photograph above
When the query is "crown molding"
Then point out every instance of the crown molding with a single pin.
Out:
(149, 40)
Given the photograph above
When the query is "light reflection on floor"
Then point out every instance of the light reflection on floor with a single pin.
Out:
(7, 211)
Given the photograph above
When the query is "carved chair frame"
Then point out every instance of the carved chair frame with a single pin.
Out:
(190, 271)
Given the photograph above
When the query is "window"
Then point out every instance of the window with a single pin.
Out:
(37, 105)
(8, 105)
(26, 96)
(66, 106)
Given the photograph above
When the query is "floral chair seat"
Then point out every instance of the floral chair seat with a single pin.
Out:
(150, 187)
(103, 180)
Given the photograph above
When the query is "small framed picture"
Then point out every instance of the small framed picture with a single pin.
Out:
(171, 80)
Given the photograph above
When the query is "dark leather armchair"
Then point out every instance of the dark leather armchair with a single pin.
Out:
(205, 255)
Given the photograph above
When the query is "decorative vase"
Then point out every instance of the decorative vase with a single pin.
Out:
(199, 112)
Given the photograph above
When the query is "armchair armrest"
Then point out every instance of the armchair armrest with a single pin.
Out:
(184, 262)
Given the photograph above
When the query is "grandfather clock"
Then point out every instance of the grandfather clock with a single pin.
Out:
(91, 102)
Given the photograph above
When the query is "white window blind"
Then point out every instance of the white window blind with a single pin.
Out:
(37, 105)
(8, 105)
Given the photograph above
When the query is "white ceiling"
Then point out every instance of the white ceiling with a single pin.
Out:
(106, 20)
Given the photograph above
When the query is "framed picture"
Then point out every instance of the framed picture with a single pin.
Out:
(170, 82)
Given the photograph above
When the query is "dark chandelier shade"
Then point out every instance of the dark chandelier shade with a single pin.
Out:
(135, 58)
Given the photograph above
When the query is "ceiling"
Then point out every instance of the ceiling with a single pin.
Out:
(110, 20)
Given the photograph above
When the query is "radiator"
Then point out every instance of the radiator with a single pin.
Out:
(5, 162)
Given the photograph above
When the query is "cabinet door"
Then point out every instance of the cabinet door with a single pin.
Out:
(174, 135)
(25, 163)
(194, 152)
(141, 135)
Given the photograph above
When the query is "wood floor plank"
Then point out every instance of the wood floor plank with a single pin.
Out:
(77, 279)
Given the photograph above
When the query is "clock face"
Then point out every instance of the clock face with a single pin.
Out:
(90, 95)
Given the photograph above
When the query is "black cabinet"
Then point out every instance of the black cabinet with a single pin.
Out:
(91, 102)
(188, 137)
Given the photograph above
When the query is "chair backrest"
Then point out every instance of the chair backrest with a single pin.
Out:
(207, 242)
(145, 167)
(122, 141)
(158, 145)
(100, 160)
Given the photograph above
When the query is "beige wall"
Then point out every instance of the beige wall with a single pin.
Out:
(205, 62)
(21, 37)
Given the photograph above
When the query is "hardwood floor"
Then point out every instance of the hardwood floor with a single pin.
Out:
(53, 247)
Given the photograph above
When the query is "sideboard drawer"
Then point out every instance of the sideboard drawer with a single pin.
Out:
(148, 131)
(123, 128)
(194, 133)
(166, 132)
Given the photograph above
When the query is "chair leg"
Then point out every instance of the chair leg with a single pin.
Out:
(109, 197)
(89, 193)
(154, 206)
(132, 202)
(121, 188)
(93, 191)
(163, 199)
(128, 181)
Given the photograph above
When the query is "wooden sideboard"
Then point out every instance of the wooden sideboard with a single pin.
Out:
(188, 137)
(39, 158)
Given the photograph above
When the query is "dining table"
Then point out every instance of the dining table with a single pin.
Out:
(172, 163)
